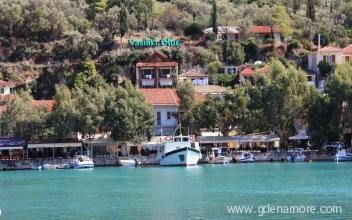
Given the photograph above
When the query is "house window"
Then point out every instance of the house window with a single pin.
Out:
(330, 59)
(168, 115)
(147, 73)
(2, 90)
(164, 73)
(347, 59)
(158, 118)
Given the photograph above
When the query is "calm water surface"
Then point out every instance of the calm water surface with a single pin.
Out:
(201, 192)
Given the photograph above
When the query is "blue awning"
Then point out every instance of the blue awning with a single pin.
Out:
(11, 143)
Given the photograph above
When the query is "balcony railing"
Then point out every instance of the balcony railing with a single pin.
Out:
(165, 82)
(148, 82)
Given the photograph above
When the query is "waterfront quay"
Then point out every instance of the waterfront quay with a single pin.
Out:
(151, 160)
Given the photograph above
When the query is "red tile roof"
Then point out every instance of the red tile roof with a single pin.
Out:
(330, 49)
(193, 73)
(250, 72)
(49, 104)
(264, 70)
(160, 96)
(247, 72)
(157, 60)
(199, 97)
(264, 29)
(347, 50)
(6, 84)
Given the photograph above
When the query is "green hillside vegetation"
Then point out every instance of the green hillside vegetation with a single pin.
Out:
(84, 45)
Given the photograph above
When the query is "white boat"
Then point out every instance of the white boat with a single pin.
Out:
(82, 161)
(342, 155)
(179, 151)
(220, 160)
(129, 163)
(246, 157)
(296, 156)
(217, 158)
(63, 166)
(49, 166)
(37, 167)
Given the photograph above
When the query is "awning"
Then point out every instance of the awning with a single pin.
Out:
(238, 139)
(55, 145)
(301, 136)
(11, 144)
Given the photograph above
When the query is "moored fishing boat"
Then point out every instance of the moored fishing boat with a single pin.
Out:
(180, 150)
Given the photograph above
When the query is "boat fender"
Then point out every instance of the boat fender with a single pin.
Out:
(168, 138)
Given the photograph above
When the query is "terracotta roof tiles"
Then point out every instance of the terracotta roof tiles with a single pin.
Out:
(347, 50)
(264, 29)
(160, 96)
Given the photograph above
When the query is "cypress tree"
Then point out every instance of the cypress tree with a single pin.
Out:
(214, 17)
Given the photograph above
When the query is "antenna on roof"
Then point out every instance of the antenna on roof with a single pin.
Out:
(318, 43)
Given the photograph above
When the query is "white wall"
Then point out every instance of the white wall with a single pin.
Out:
(198, 82)
(315, 58)
(5, 90)
(167, 125)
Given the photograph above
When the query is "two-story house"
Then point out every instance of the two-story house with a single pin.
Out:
(165, 104)
(156, 71)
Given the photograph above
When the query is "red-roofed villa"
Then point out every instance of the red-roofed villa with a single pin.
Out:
(262, 33)
(156, 71)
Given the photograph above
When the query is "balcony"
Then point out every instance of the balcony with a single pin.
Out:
(165, 82)
(147, 82)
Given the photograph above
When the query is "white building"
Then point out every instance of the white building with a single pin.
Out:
(196, 77)
(5, 87)
(330, 54)
(165, 104)
(227, 33)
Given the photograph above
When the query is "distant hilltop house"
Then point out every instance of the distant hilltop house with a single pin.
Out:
(248, 73)
(6, 87)
(156, 71)
(227, 33)
(263, 33)
(195, 76)
(330, 54)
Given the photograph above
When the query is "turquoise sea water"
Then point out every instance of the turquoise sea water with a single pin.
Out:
(201, 192)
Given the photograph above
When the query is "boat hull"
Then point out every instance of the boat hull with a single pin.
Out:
(342, 158)
(222, 160)
(181, 157)
(127, 163)
(295, 159)
(82, 165)
(245, 160)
